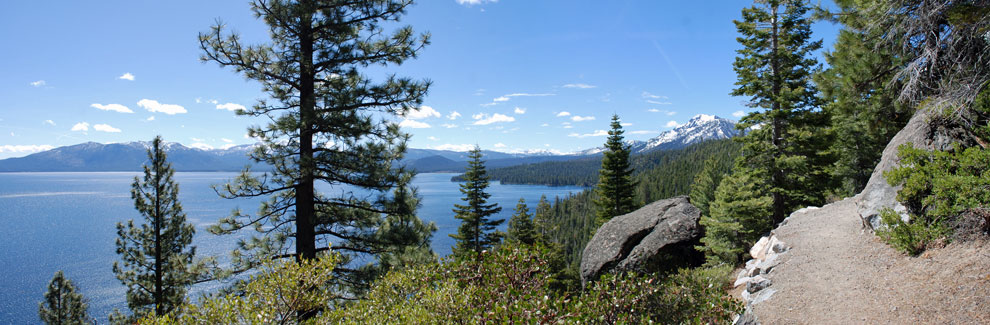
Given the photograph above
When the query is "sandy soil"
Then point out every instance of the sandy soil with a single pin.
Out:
(836, 273)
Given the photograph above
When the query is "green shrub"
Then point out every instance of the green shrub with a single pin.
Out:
(912, 237)
(938, 186)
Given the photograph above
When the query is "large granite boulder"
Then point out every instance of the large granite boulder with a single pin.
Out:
(921, 132)
(657, 237)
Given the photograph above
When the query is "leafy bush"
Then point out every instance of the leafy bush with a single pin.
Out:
(939, 186)
(512, 285)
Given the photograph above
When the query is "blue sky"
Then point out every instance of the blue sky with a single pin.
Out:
(520, 75)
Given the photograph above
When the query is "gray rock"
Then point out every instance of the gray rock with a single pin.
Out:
(761, 296)
(764, 266)
(747, 318)
(757, 283)
(878, 194)
(653, 238)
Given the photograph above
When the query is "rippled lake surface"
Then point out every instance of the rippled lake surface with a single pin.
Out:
(66, 221)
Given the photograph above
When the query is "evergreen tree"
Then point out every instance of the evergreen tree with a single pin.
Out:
(542, 221)
(615, 184)
(704, 185)
(737, 218)
(860, 95)
(330, 125)
(521, 228)
(156, 255)
(785, 142)
(477, 230)
(408, 234)
(63, 305)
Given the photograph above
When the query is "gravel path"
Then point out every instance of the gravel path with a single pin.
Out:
(835, 273)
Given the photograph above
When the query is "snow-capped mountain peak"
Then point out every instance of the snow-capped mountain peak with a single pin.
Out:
(701, 127)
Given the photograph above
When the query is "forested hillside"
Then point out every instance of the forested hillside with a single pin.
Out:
(584, 172)
(659, 175)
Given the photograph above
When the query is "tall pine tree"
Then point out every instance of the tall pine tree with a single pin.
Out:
(785, 142)
(477, 230)
(615, 184)
(543, 222)
(736, 219)
(330, 125)
(521, 228)
(156, 255)
(63, 305)
(705, 183)
(860, 94)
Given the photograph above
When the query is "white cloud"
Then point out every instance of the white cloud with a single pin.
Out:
(672, 124)
(421, 113)
(578, 118)
(25, 148)
(597, 133)
(564, 113)
(81, 126)
(49, 122)
(112, 107)
(545, 124)
(647, 94)
(520, 110)
(38, 83)
(658, 102)
(738, 114)
(226, 140)
(201, 146)
(568, 126)
(432, 138)
(484, 119)
(453, 115)
(473, 2)
(232, 107)
(106, 128)
(455, 147)
(214, 102)
(500, 99)
(413, 124)
(642, 132)
(499, 145)
(449, 126)
(195, 139)
(155, 106)
(527, 95)
(150, 118)
(626, 124)
(199, 100)
(654, 110)
(126, 76)
(228, 146)
(478, 116)
(579, 86)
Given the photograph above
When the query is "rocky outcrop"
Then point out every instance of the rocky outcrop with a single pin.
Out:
(921, 132)
(755, 277)
(659, 236)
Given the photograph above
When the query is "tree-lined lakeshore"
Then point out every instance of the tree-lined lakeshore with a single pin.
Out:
(815, 133)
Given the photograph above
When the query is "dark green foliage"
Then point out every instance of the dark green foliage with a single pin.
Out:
(541, 220)
(477, 231)
(521, 227)
(63, 305)
(156, 255)
(578, 172)
(512, 285)
(705, 183)
(330, 125)
(774, 69)
(407, 236)
(738, 217)
(938, 186)
(573, 218)
(860, 95)
(615, 184)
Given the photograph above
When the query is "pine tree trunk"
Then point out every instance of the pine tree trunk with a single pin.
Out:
(156, 164)
(305, 193)
(777, 175)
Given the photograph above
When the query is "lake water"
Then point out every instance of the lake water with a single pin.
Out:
(66, 221)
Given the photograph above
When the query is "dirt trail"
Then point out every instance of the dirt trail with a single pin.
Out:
(835, 273)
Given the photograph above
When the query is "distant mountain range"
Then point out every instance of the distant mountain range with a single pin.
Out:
(699, 128)
(92, 156)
